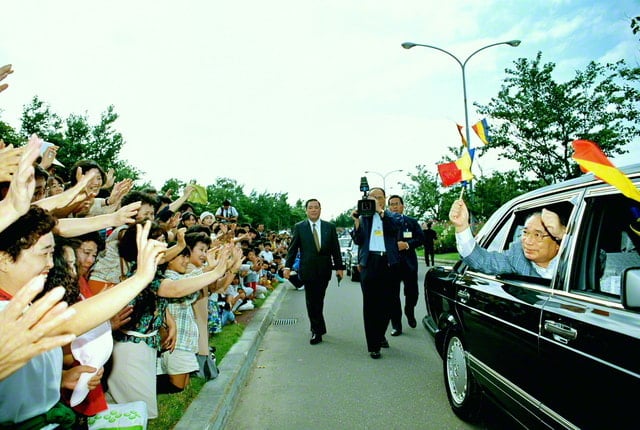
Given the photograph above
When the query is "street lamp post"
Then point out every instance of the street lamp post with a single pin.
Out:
(384, 177)
(462, 64)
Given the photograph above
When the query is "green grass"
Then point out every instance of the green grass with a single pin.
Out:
(171, 407)
(449, 256)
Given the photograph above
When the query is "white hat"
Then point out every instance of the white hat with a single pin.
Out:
(205, 214)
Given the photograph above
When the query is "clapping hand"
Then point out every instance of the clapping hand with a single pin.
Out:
(24, 328)
(5, 71)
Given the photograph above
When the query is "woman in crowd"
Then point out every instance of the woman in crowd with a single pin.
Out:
(26, 249)
(136, 344)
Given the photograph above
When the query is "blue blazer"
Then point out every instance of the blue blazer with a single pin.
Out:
(391, 225)
(409, 256)
(494, 263)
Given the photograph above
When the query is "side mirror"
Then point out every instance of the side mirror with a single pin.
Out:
(630, 288)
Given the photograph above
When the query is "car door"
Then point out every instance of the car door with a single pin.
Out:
(501, 315)
(589, 343)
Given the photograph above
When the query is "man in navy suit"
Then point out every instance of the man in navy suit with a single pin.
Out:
(410, 237)
(535, 254)
(317, 242)
(378, 260)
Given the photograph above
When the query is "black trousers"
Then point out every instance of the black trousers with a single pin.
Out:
(314, 292)
(409, 279)
(376, 281)
(430, 254)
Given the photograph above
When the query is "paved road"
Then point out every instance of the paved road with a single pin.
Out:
(336, 385)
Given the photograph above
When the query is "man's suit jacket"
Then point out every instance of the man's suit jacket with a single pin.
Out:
(314, 264)
(494, 263)
(391, 224)
(409, 256)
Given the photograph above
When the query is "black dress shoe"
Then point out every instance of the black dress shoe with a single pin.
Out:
(375, 354)
(395, 332)
(412, 321)
(384, 343)
(315, 339)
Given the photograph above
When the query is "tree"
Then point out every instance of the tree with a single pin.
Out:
(491, 192)
(77, 138)
(535, 119)
(422, 196)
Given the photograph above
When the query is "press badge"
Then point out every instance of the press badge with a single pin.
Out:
(407, 235)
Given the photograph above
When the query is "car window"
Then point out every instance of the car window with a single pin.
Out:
(612, 244)
(512, 227)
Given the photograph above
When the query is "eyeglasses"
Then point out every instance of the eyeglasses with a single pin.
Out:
(535, 235)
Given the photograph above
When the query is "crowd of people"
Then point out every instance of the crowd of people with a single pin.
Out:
(109, 295)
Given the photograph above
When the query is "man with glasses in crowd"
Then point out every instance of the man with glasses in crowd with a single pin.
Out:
(535, 254)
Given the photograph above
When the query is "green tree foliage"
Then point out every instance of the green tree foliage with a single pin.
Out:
(422, 196)
(9, 135)
(535, 119)
(491, 192)
(635, 25)
(77, 138)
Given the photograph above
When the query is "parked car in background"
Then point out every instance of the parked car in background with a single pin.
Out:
(345, 246)
(554, 353)
(352, 265)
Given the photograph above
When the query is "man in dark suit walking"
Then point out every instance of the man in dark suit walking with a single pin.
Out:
(317, 242)
(378, 259)
(409, 238)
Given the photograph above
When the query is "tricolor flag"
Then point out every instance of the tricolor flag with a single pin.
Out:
(464, 141)
(482, 130)
(456, 171)
(591, 159)
(198, 195)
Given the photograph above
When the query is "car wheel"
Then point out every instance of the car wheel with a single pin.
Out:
(463, 392)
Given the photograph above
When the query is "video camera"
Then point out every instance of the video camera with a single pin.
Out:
(366, 206)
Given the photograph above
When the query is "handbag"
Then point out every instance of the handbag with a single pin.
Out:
(208, 367)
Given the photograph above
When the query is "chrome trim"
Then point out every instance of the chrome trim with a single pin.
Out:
(528, 400)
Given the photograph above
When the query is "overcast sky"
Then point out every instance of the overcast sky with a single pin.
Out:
(299, 96)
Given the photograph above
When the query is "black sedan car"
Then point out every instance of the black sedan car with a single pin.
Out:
(553, 353)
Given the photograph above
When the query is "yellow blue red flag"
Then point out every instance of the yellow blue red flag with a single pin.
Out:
(482, 130)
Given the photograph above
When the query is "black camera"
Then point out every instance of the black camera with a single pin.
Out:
(366, 206)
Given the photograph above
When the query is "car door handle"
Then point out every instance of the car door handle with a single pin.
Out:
(463, 295)
(562, 330)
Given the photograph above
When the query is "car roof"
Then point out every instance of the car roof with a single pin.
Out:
(631, 171)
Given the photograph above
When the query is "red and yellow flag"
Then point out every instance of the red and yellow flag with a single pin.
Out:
(455, 171)
(591, 159)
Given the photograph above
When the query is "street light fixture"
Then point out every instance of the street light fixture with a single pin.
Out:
(384, 177)
(463, 64)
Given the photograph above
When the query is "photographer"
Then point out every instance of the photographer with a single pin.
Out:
(227, 213)
(378, 258)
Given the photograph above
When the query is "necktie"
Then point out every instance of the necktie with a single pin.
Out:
(315, 236)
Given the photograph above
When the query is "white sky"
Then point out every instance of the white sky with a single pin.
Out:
(292, 96)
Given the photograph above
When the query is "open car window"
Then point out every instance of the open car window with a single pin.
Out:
(611, 244)
(511, 230)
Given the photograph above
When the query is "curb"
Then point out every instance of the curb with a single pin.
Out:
(214, 404)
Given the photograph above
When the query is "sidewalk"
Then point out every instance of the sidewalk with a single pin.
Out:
(215, 402)
(211, 409)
